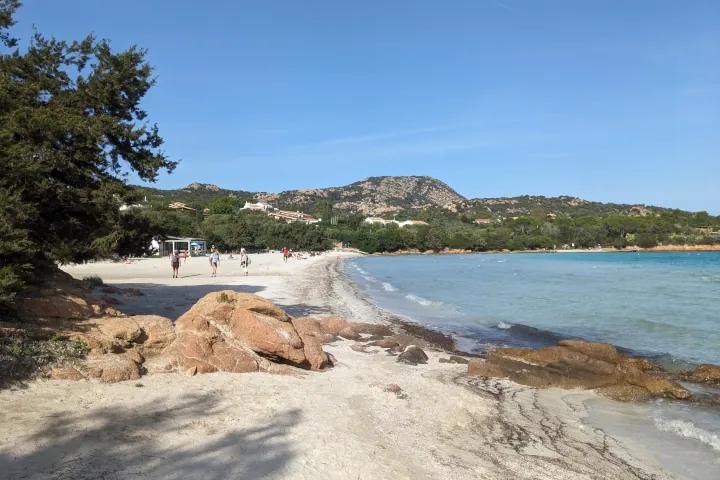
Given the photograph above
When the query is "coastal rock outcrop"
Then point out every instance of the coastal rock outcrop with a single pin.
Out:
(224, 331)
(113, 368)
(349, 333)
(579, 364)
(333, 325)
(385, 343)
(156, 334)
(124, 329)
(61, 297)
(240, 332)
(66, 373)
(706, 373)
(413, 355)
(313, 337)
(374, 329)
(455, 359)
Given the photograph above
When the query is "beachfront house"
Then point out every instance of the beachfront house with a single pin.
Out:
(483, 221)
(376, 221)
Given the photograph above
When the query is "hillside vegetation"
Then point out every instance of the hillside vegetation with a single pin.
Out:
(404, 197)
(520, 223)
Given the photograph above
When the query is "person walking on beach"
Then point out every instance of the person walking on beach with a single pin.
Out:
(286, 252)
(186, 256)
(214, 262)
(244, 260)
(175, 264)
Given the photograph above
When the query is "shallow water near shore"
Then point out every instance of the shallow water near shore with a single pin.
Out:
(662, 305)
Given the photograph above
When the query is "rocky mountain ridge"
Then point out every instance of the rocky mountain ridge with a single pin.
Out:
(390, 195)
(376, 195)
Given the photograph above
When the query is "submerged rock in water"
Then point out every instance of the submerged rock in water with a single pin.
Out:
(579, 364)
(706, 373)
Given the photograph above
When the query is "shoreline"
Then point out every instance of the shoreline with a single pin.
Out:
(338, 423)
(695, 461)
(668, 248)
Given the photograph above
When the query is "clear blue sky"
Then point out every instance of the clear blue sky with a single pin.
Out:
(609, 100)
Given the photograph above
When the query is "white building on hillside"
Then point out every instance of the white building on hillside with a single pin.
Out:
(257, 206)
(292, 217)
(410, 223)
(382, 221)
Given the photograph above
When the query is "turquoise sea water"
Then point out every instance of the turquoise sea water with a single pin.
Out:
(663, 305)
(660, 304)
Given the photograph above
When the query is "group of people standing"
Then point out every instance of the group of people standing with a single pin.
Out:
(214, 259)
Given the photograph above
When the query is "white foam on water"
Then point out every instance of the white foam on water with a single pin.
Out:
(688, 430)
(422, 301)
(504, 326)
(388, 287)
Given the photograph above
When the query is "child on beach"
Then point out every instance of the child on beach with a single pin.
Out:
(286, 252)
(175, 263)
(214, 262)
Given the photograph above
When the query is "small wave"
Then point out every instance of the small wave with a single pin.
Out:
(388, 287)
(711, 278)
(670, 362)
(688, 430)
(525, 331)
(422, 301)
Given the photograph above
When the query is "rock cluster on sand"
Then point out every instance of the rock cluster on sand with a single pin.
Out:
(413, 355)
(454, 359)
(580, 364)
(223, 331)
(61, 297)
(239, 332)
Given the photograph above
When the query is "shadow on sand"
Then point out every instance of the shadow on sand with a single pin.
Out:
(172, 300)
(154, 441)
(304, 310)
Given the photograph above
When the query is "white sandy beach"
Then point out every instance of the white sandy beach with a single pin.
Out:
(336, 424)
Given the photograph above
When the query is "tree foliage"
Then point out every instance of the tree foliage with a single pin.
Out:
(71, 128)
